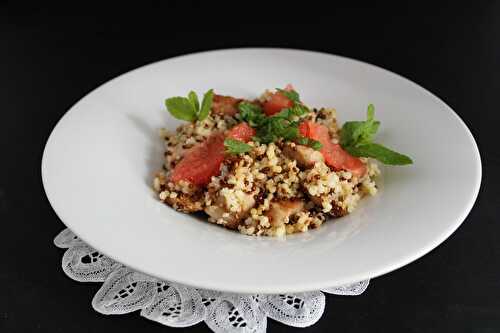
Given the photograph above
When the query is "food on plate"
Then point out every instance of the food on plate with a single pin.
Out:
(270, 166)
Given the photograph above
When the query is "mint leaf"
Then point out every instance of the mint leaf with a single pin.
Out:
(249, 108)
(300, 110)
(370, 113)
(289, 132)
(316, 145)
(282, 128)
(266, 133)
(193, 98)
(181, 108)
(296, 110)
(206, 104)
(251, 113)
(359, 132)
(236, 147)
(189, 108)
(379, 152)
(283, 114)
(347, 137)
(290, 94)
(367, 130)
(303, 141)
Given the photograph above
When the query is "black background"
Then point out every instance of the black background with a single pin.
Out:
(50, 59)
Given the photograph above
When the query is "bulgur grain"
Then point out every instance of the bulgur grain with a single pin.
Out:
(247, 193)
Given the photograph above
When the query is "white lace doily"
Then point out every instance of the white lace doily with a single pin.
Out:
(175, 305)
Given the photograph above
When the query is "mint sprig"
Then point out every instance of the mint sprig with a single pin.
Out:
(188, 108)
(357, 138)
(236, 147)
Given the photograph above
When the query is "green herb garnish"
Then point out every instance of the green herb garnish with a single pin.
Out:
(290, 94)
(303, 141)
(193, 98)
(188, 108)
(356, 137)
(251, 113)
(206, 104)
(316, 145)
(381, 153)
(284, 124)
(270, 129)
(236, 147)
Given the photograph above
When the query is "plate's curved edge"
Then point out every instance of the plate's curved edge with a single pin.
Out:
(310, 286)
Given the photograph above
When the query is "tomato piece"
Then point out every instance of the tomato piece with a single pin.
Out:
(335, 156)
(225, 105)
(304, 129)
(346, 161)
(201, 162)
(242, 132)
(276, 103)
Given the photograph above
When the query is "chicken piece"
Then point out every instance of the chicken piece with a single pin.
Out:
(306, 157)
(225, 105)
(280, 211)
(228, 210)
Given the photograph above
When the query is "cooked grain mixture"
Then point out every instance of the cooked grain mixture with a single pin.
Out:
(267, 167)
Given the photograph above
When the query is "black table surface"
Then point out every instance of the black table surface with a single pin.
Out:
(49, 60)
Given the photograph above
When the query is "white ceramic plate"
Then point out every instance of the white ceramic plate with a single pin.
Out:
(99, 159)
